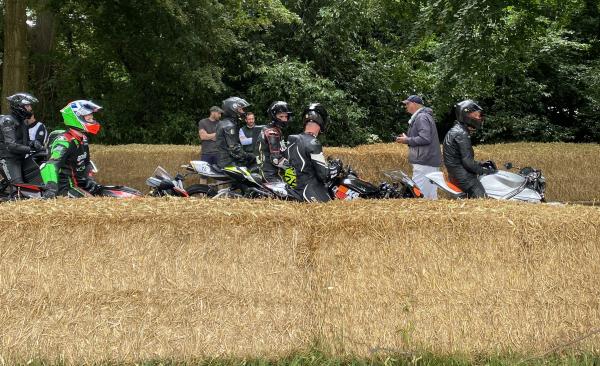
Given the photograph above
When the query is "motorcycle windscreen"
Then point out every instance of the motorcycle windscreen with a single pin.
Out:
(161, 173)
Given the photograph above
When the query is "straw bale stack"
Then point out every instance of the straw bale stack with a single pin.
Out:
(100, 279)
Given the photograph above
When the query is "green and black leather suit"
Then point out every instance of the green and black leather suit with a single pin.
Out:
(67, 171)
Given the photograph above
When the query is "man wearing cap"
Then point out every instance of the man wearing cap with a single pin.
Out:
(424, 151)
(207, 128)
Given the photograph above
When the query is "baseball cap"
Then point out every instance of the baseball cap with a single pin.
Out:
(415, 99)
(214, 108)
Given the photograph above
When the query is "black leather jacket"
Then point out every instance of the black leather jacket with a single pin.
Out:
(14, 137)
(305, 154)
(268, 152)
(229, 148)
(459, 157)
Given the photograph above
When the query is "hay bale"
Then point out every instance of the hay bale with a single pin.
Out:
(106, 280)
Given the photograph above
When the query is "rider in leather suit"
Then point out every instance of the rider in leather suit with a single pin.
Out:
(268, 148)
(305, 154)
(67, 171)
(14, 137)
(463, 169)
(229, 148)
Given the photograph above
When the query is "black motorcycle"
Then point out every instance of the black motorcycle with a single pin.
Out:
(348, 186)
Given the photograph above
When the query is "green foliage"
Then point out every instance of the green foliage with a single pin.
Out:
(299, 85)
(157, 66)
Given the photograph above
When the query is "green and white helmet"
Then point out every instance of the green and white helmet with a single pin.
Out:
(80, 116)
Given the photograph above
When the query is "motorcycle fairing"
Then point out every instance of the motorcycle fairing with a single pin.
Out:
(507, 185)
(360, 186)
(342, 192)
(440, 180)
(203, 168)
(240, 173)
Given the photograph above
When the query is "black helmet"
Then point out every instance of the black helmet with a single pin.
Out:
(463, 109)
(17, 103)
(276, 108)
(231, 105)
(316, 113)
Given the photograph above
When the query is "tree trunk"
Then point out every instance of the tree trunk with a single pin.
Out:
(14, 68)
(41, 62)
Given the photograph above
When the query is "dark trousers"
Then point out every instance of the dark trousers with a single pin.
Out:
(477, 191)
(209, 158)
(12, 170)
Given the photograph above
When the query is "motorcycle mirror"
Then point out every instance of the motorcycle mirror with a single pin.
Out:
(508, 165)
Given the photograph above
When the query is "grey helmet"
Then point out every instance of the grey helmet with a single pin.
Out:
(232, 104)
(463, 109)
(17, 103)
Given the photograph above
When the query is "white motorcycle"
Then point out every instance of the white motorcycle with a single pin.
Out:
(527, 185)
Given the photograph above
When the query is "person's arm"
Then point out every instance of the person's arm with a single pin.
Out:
(234, 146)
(423, 126)
(464, 145)
(10, 138)
(58, 156)
(244, 140)
(204, 136)
(318, 160)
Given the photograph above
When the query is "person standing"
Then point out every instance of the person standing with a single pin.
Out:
(424, 153)
(249, 133)
(207, 128)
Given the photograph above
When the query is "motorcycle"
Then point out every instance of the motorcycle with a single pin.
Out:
(527, 185)
(115, 191)
(346, 185)
(162, 184)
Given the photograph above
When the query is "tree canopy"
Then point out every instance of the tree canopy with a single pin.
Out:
(158, 65)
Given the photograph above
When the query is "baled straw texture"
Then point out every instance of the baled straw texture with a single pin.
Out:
(105, 280)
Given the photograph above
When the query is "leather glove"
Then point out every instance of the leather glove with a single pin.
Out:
(282, 163)
(487, 170)
(489, 167)
(91, 186)
(35, 145)
(335, 168)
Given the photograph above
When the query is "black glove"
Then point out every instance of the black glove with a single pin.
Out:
(35, 145)
(335, 167)
(91, 186)
(489, 167)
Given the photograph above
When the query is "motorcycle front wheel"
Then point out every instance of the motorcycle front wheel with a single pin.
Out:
(200, 190)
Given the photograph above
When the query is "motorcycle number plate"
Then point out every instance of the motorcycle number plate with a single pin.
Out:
(344, 193)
